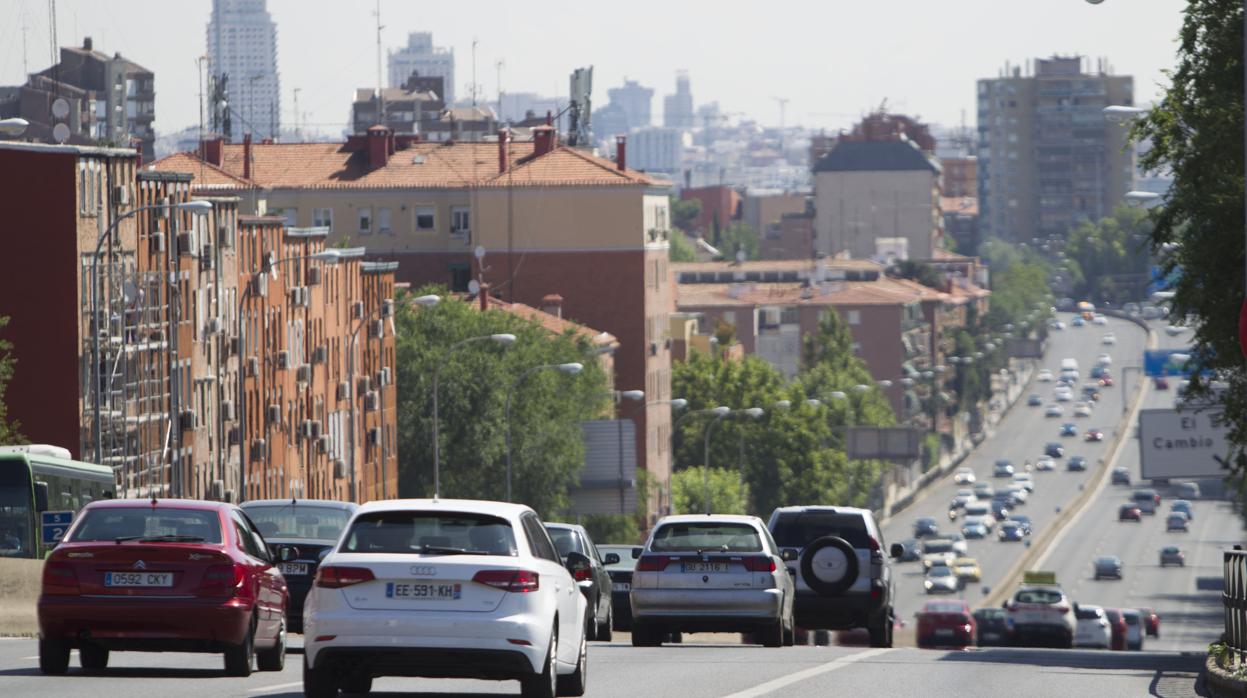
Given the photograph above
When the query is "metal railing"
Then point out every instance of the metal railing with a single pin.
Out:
(1234, 600)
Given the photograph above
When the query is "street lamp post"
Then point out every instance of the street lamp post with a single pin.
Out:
(678, 403)
(619, 395)
(754, 412)
(501, 339)
(386, 309)
(570, 369)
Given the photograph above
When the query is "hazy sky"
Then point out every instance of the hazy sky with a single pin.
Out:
(833, 59)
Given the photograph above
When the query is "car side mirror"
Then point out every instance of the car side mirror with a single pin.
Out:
(578, 564)
(611, 559)
(789, 554)
(636, 553)
(897, 551)
(41, 497)
(286, 553)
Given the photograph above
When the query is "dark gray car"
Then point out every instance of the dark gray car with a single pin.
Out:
(1107, 567)
(596, 584)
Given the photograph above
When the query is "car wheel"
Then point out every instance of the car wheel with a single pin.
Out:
(881, 631)
(357, 685)
(238, 658)
(575, 683)
(544, 684)
(822, 638)
(319, 682)
(790, 633)
(772, 636)
(604, 630)
(645, 636)
(274, 658)
(53, 656)
(93, 657)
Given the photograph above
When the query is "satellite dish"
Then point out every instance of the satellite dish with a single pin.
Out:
(60, 133)
(60, 108)
(740, 256)
(474, 287)
(480, 252)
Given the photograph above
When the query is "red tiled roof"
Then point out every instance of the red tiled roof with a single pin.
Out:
(881, 292)
(205, 175)
(570, 167)
(555, 324)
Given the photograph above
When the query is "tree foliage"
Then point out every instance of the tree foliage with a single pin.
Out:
(738, 237)
(1196, 132)
(684, 213)
(924, 274)
(9, 431)
(1018, 291)
(1108, 260)
(546, 410)
(692, 487)
(679, 249)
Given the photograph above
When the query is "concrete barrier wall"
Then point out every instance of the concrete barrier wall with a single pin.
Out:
(19, 590)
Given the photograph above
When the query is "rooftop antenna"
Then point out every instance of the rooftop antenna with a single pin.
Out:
(474, 43)
(380, 95)
(498, 66)
(298, 135)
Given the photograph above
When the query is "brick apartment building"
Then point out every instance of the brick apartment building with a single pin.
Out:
(157, 364)
(550, 220)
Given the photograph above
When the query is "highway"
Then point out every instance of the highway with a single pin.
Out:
(1021, 435)
(683, 671)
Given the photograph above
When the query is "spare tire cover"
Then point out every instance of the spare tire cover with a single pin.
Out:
(829, 565)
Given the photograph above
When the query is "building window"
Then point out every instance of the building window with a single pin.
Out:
(291, 215)
(460, 276)
(323, 218)
(365, 221)
(425, 218)
(460, 222)
(383, 220)
(855, 317)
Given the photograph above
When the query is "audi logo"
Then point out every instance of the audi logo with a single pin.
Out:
(423, 571)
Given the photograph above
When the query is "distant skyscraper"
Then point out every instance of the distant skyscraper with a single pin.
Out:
(636, 101)
(677, 109)
(421, 56)
(242, 43)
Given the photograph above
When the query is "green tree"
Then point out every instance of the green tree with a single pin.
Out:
(547, 407)
(679, 249)
(9, 431)
(728, 494)
(924, 274)
(684, 213)
(1196, 131)
(1018, 291)
(739, 237)
(1108, 260)
(612, 528)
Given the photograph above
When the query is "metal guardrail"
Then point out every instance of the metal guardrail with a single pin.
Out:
(1234, 600)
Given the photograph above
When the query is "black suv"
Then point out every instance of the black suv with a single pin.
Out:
(843, 575)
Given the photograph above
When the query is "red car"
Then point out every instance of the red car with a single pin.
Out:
(1106, 381)
(1093, 435)
(1117, 622)
(1129, 512)
(162, 576)
(946, 623)
(1162, 383)
(1151, 621)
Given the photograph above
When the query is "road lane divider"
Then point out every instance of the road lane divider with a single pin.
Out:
(278, 687)
(1047, 540)
(785, 681)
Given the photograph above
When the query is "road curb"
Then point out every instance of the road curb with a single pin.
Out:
(1074, 510)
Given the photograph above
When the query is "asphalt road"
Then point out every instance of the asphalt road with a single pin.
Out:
(686, 671)
(1019, 436)
(1187, 598)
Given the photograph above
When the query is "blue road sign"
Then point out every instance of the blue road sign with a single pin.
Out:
(55, 524)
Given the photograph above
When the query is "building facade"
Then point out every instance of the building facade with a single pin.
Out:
(1047, 156)
(420, 57)
(242, 44)
(637, 103)
(677, 109)
(657, 150)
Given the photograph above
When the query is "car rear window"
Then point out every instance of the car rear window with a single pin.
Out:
(944, 607)
(431, 533)
(1131, 618)
(566, 541)
(1037, 596)
(1087, 613)
(937, 546)
(709, 535)
(799, 530)
(298, 521)
(148, 523)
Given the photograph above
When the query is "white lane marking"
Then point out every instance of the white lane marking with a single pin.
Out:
(781, 682)
(278, 687)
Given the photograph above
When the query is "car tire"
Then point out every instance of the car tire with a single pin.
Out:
(605, 633)
(773, 635)
(93, 658)
(53, 656)
(318, 682)
(544, 684)
(645, 636)
(239, 658)
(357, 686)
(881, 630)
(851, 566)
(790, 632)
(822, 638)
(274, 658)
(575, 683)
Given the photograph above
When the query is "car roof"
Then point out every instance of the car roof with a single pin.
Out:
(689, 518)
(199, 504)
(567, 526)
(478, 506)
(819, 508)
(319, 503)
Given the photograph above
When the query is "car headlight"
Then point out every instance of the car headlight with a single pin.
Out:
(927, 583)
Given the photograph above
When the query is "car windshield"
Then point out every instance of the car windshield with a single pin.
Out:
(293, 520)
(1170, 551)
(937, 546)
(709, 535)
(148, 523)
(940, 571)
(430, 533)
(796, 530)
(566, 541)
(1044, 596)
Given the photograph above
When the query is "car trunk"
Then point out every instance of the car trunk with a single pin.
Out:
(716, 571)
(134, 569)
(426, 583)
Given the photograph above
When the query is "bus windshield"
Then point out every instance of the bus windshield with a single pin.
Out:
(15, 506)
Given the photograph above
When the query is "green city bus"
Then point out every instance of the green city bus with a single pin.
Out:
(41, 490)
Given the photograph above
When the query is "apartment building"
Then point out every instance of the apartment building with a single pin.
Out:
(421, 58)
(543, 218)
(242, 45)
(1047, 156)
(152, 324)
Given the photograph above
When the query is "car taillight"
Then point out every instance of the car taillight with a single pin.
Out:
(59, 578)
(517, 581)
(583, 575)
(338, 577)
(223, 580)
(760, 564)
(875, 547)
(653, 563)
(1061, 608)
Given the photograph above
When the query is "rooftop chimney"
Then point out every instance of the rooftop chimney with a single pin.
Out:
(246, 156)
(621, 152)
(483, 297)
(553, 304)
(378, 146)
(86, 44)
(504, 151)
(543, 140)
(211, 150)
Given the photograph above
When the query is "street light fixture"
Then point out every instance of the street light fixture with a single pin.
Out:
(570, 369)
(501, 339)
(13, 127)
(427, 301)
(720, 414)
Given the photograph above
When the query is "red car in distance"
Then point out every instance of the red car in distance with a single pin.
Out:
(1117, 622)
(1151, 621)
(1094, 434)
(166, 575)
(946, 623)
(1129, 512)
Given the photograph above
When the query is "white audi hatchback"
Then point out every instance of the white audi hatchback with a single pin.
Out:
(445, 589)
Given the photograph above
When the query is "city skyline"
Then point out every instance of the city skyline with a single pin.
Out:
(817, 37)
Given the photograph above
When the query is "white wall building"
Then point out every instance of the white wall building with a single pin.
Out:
(421, 56)
(658, 149)
(242, 43)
